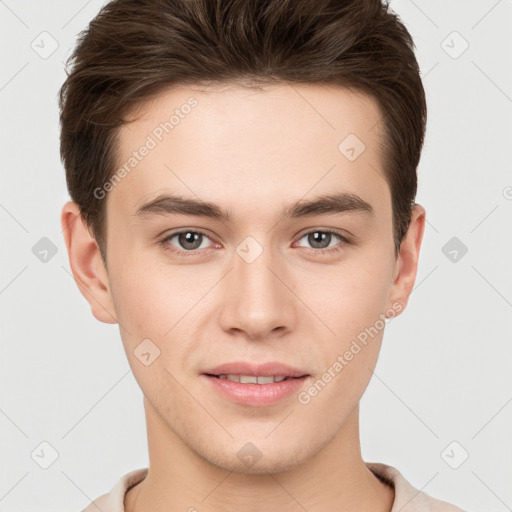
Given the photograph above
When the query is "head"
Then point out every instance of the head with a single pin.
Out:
(252, 109)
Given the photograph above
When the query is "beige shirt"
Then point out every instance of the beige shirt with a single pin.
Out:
(407, 498)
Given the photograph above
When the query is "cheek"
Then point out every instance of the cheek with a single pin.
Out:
(148, 294)
(138, 302)
(149, 313)
(145, 311)
(354, 309)
(347, 297)
(160, 303)
(351, 301)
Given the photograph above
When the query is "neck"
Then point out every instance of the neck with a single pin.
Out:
(335, 478)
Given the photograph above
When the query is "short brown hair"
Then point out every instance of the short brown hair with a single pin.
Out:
(135, 49)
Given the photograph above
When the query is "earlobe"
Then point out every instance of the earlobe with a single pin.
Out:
(86, 264)
(407, 261)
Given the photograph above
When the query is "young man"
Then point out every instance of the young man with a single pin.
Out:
(243, 176)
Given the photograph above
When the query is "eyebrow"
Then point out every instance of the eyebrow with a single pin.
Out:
(166, 204)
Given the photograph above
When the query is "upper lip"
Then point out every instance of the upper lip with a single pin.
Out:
(257, 370)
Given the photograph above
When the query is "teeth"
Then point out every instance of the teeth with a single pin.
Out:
(247, 379)
(250, 379)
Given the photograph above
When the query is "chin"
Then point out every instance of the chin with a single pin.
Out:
(251, 460)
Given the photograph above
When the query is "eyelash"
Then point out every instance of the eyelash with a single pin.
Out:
(167, 247)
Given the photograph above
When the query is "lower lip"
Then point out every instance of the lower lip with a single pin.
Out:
(256, 395)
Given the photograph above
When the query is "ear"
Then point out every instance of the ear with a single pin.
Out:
(86, 264)
(407, 260)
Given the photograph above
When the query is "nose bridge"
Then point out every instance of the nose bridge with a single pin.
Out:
(259, 301)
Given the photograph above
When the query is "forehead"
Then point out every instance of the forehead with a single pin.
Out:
(238, 144)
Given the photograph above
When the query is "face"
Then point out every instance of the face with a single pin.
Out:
(269, 281)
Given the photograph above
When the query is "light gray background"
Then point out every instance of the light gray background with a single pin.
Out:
(444, 373)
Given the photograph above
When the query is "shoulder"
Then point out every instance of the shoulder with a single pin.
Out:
(407, 497)
(113, 501)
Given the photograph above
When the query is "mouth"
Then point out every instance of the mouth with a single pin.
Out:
(255, 385)
(254, 379)
(247, 371)
(255, 391)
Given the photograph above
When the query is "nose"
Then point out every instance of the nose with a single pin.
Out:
(258, 297)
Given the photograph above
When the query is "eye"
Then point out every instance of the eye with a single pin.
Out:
(321, 240)
(189, 240)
